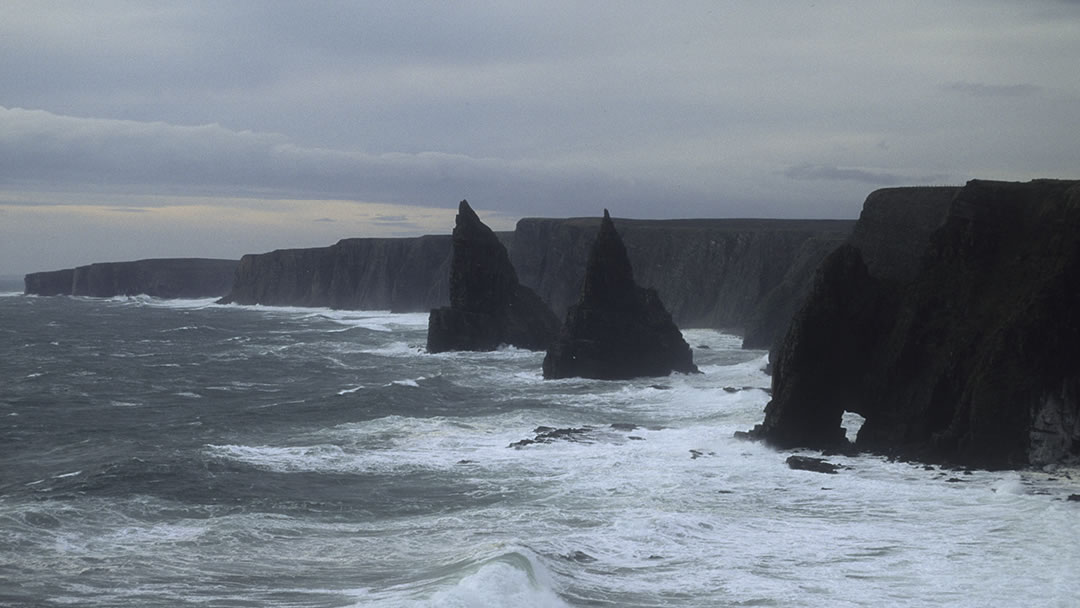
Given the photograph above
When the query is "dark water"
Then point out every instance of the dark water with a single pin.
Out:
(181, 453)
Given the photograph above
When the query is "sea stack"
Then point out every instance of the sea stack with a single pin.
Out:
(488, 307)
(617, 330)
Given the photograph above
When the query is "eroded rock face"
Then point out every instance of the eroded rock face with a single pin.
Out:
(968, 355)
(617, 330)
(488, 307)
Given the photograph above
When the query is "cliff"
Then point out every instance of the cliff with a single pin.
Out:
(727, 274)
(488, 307)
(397, 274)
(617, 329)
(951, 322)
(709, 273)
(163, 278)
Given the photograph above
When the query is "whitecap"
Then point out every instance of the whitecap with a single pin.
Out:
(408, 382)
(516, 578)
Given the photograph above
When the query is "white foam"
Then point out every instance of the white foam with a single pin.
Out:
(514, 579)
(407, 382)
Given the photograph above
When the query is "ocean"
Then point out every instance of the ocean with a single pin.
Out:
(182, 453)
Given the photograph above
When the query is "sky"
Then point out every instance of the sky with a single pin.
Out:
(131, 130)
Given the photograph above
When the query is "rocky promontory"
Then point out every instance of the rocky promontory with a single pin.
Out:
(617, 329)
(951, 322)
(162, 278)
(488, 307)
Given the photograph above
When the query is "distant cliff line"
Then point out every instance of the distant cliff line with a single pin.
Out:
(743, 275)
(733, 274)
(161, 277)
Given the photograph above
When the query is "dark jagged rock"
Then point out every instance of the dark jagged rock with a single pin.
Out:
(617, 330)
(817, 465)
(714, 273)
(488, 307)
(162, 278)
(958, 347)
(547, 434)
(396, 274)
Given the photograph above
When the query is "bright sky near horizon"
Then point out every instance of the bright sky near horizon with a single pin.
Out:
(150, 129)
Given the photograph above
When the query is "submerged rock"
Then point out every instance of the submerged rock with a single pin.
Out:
(488, 307)
(817, 465)
(547, 434)
(617, 330)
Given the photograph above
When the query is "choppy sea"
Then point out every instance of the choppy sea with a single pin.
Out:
(182, 453)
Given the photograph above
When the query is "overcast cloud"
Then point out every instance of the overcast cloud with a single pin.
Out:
(137, 129)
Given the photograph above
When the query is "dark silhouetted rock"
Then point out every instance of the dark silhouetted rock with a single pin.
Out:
(161, 278)
(961, 346)
(617, 330)
(488, 307)
(817, 465)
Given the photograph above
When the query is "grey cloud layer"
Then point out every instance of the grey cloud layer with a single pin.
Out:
(557, 108)
(39, 148)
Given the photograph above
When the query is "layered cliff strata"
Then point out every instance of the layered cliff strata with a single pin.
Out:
(397, 274)
(488, 307)
(959, 343)
(163, 278)
(617, 329)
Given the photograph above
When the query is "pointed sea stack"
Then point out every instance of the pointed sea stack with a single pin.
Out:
(488, 307)
(617, 330)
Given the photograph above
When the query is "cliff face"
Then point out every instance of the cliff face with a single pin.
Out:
(49, 283)
(397, 274)
(616, 330)
(725, 274)
(488, 307)
(709, 273)
(960, 347)
(163, 278)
